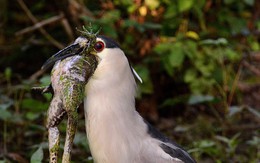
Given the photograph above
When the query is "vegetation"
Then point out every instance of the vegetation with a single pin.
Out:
(199, 61)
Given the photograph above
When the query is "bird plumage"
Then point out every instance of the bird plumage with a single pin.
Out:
(116, 132)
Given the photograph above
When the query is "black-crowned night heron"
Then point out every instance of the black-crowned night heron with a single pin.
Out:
(115, 130)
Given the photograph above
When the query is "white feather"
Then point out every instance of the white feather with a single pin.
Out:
(137, 76)
(116, 132)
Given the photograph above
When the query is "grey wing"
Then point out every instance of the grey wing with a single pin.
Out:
(176, 152)
(170, 147)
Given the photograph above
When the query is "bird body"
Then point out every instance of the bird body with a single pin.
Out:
(110, 98)
(116, 132)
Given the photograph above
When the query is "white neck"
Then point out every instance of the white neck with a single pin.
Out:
(113, 125)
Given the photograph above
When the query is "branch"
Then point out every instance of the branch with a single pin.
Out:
(251, 68)
(40, 24)
(36, 75)
(67, 28)
(35, 21)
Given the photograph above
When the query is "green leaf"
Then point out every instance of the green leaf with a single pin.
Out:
(132, 8)
(133, 23)
(232, 55)
(32, 116)
(34, 105)
(162, 48)
(177, 55)
(167, 66)
(190, 75)
(255, 46)
(240, 24)
(47, 96)
(5, 115)
(206, 146)
(109, 30)
(172, 56)
(174, 101)
(8, 73)
(228, 1)
(124, 2)
(255, 141)
(234, 110)
(184, 5)
(152, 4)
(128, 23)
(37, 156)
(234, 141)
(146, 86)
(191, 49)
(110, 16)
(219, 41)
(258, 25)
(196, 99)
(206, 143)
(6, 102)
(150, 25)
(254, 112)
(171, 12)
(45, 80)
(222, 139)
(80, 140)
(249, 2)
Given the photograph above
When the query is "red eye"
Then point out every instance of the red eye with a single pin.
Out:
(99, 46)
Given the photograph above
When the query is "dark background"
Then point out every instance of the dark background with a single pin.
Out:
(199, 61)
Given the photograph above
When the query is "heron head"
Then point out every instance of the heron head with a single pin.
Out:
(88, 43)
(108, 54)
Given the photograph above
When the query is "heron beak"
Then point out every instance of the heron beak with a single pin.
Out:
(71, 50)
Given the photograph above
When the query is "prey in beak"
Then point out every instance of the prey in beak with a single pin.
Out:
(76, 48)
(73, 67)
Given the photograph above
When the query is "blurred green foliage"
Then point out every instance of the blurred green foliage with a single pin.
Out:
(189, 54)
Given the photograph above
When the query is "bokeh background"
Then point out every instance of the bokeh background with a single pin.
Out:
(199, 61)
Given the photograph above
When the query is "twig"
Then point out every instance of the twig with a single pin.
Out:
(35, 21)
(242, 127)
(251, 68)
(256, 56)
(40, 24)
(247, 88)
(36, 74)
(82, 8)
(67, 28)
(234, 85)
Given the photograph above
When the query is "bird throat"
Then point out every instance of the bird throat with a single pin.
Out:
(111, 118)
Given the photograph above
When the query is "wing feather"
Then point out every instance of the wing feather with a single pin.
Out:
(168, 146)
